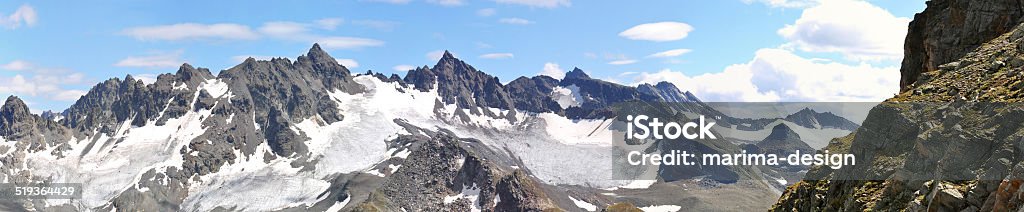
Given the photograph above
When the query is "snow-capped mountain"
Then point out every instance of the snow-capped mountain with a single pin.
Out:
(310, 135)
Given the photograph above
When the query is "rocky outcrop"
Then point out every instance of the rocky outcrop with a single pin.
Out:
(461, 84)
(951, 142)
(948, 29)
(446, 173)
(533, 94)
(783, 141)
(31, 132)
(115, 101)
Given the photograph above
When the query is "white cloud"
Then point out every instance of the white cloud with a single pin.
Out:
(785, 3)
(448, 3)
(621, 62)
(348, 63)
(486, 12)
(329, 23)
(780, 75)
(538, 3)
(552, 70)
(25, 14)
(856, 29)
(155, 60)
(403, 68)
(17, 65)
(517, 21)
(670, 53)
(497, 56)
(284, 29)
(659, 31)
(281, 30)
(186, 31)
(390, 1)
(300, 32)
(43, 82)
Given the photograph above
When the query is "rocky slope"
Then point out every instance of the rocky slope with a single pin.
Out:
(948, 29)
(949, 142)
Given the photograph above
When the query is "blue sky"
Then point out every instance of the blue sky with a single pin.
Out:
(729, 50)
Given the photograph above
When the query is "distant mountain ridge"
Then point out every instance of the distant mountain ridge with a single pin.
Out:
(173, 144)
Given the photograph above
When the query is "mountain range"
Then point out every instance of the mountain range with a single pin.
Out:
(283, 135)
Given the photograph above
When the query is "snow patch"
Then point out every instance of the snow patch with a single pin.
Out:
(339, 205)
(471, 193)
(583, 204)
(567, 96)
(661, 208)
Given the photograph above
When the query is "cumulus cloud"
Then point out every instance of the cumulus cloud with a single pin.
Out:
(348, 63)
(497, 56)
(659, 31)
(25, 14)
(552, 70)
(17, 65)
(856, 29)
(516, 21)
(403, 68)
(448, 3)
(48, 83)
(621, 62)
(670, 53)
(486, 12)
(187, 31)
(780, 75)
(155, 60)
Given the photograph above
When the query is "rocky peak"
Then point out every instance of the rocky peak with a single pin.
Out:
(782, 132)
(948, 29)
(186, 73)
(576, 73)
(14, 110)
(460, 83)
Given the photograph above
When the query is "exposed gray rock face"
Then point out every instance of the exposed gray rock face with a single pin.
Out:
(667, 91)
(599, 94)
(33, 133)
(533, 94)
(281, 93)
(461, 84)
(783, 141)
(948, 29)
(114, 101)
(442, 170)
(812, 119)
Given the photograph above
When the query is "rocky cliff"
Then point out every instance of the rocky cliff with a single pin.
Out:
(948, 29)
(951, 141)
